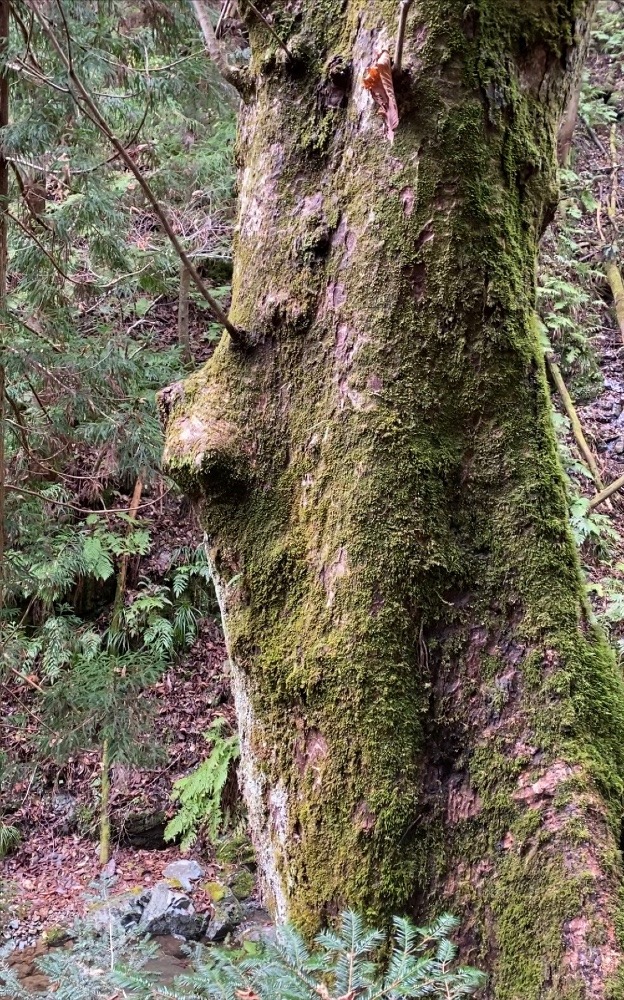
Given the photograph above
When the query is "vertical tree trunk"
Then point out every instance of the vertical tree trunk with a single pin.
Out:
(183, 314)
(105, 827)
(4, 198)
(429, 715)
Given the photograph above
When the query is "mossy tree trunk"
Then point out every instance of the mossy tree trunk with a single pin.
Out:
(429, 716)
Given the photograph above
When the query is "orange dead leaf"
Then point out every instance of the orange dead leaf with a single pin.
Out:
(378, 81)
(246, 995)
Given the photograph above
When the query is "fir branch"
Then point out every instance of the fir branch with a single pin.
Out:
(57, 267)
(85, 102)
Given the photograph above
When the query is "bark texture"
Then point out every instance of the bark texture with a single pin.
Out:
(429, 716)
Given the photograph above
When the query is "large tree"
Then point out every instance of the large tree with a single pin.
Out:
(429, 715)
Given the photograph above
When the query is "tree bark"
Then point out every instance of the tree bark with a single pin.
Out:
(429, 715)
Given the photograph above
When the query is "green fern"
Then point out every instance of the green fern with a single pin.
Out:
(200, 794)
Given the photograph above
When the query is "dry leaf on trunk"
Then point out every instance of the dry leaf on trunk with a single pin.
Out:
(378, 81)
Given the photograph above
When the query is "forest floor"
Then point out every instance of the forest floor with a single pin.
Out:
(47, 882)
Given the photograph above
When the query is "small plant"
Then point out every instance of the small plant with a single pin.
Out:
(344, 963)
(201, 793)
(591, 528)
(9, 838)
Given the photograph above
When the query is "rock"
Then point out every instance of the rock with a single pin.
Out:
(124, 910)
(227, 914)
(37, 983)
(171, 912)
(144, 830)
(65, 811)
(242, 884)
(236, 850)
(184, 872)
(257, 927)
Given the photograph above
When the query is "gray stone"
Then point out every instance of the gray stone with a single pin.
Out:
(171, 912)
(227, 915)
(184, 872)
(65, 812)
(123, 911)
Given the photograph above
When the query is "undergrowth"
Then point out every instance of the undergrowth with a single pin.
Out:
(346, 962)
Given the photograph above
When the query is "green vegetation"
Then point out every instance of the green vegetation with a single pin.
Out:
(88, 268)
(422, 962)
(203, 804)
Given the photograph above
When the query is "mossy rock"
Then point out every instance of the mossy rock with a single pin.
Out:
(215, 891)
(236, 850)
(242, 883)
(55, 937)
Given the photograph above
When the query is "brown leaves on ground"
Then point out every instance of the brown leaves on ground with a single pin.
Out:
(378, 81)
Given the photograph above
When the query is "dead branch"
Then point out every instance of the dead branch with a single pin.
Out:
(614, 278)
(269, 28)
(398, 51)
(577, 428)
(229, 73)
(608, 491)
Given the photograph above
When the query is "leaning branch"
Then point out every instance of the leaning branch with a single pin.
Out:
(270, 29)
(614, 278)
(608, 491)
(85, 102)
(570, 409)
(398, 51)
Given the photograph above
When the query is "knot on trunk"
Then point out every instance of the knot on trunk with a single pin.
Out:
(204, 453)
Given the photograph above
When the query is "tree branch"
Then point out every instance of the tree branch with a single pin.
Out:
(80, 94)
(398, 51)
(214, 50)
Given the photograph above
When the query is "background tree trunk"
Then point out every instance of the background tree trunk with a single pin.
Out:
(429, 716)
(4, 197)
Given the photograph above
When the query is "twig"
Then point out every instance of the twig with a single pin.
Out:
(30, 784)
(28, 680)
(608, 491)
(84, 510)
(37, 241)
(570, 409)
(594, 138)
(270, 29)
(398, 51)
(92, 111)
(225, 10)
(612, 207)
(120, 591)
(599, 218)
